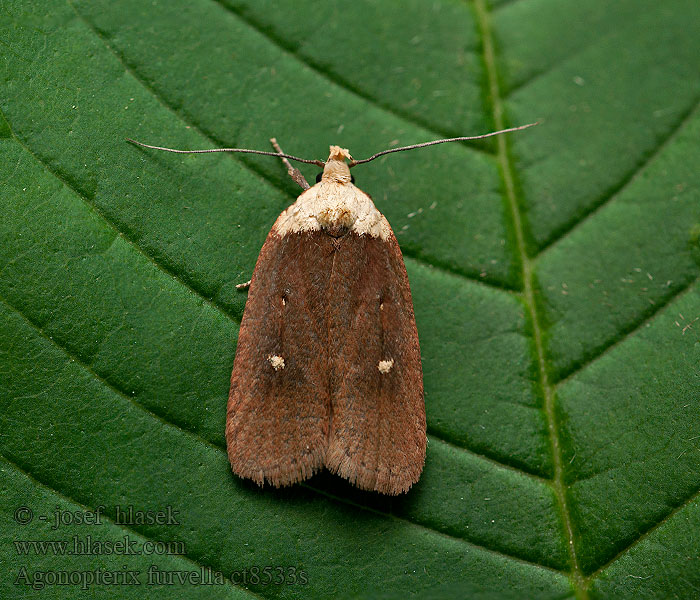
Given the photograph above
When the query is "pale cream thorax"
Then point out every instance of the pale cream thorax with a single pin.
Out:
(334, 202)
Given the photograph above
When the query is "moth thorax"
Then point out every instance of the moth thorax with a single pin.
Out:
(336, 171)
(336, 220)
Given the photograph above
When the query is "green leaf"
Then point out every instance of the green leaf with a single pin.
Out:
(554, 275)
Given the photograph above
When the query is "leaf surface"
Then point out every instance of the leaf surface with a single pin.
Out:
(554, 276)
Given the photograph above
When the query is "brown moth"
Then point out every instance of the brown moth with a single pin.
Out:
(327, 370)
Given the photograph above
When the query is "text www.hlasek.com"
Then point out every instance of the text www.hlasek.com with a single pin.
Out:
(89, 546)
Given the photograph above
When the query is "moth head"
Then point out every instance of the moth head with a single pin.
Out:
(336, 170)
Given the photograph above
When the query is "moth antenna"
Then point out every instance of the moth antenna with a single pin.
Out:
(352, 163)
(318, 163)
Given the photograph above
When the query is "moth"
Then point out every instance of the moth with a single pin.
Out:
(327, 370)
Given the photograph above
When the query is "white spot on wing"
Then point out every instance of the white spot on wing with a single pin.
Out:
(277, 362)
(384, 366)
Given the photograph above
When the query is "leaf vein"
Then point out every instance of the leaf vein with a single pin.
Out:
(489, 459)
(152, 257)
(649, 531)
(432, 531)
(343, 83)
(628, 332)
(567, 229)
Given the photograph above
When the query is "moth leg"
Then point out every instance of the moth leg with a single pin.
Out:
(293, 172)
(243, 286)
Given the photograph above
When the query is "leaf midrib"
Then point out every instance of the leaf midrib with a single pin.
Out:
(507, 173)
